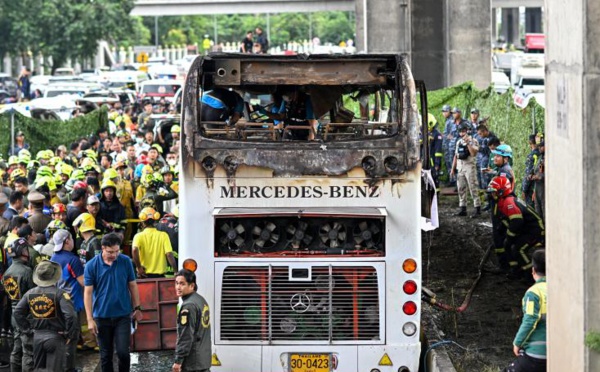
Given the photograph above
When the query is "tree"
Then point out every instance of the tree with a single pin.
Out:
(175, 37)
(65, 29)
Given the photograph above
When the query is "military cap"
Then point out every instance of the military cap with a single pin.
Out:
(36, 197)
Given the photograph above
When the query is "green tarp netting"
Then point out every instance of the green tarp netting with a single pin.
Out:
(49, 134)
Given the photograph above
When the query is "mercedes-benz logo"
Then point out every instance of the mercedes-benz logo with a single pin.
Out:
(300, 302)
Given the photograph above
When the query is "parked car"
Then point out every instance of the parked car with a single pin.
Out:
(9, 85)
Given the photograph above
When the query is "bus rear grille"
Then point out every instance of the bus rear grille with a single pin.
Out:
(331, 303)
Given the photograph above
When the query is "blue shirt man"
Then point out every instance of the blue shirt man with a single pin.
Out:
(72, 269)
(108, 278)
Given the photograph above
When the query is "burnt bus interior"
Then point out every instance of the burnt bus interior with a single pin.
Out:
(353, 98)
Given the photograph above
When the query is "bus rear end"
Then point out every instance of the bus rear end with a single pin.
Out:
(308, 251)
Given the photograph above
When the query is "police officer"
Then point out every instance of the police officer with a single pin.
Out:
(449, 141)
(464, 164)
(49, 312)
(17, 280)
(38, 220)
(193, 349)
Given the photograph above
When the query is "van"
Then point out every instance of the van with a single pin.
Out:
(160, 88)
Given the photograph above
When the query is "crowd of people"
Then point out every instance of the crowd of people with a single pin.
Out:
(110, 198)
(479, 163)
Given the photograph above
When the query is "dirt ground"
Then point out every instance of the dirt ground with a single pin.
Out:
(451, 257)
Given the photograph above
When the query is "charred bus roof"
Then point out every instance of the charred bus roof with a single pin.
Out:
(330, 81)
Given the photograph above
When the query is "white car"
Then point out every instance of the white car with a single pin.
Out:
(500, 81)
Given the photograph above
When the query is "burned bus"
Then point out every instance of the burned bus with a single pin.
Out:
(308, 246)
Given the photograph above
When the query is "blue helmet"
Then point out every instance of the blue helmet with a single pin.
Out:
(503, 150)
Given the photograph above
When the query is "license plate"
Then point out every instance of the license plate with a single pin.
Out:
(310, 362)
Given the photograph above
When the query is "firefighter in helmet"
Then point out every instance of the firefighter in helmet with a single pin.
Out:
(521, 229)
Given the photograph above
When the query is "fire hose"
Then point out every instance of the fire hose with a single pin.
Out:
(430, 297)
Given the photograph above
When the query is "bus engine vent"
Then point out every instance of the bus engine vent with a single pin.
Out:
(338, 303)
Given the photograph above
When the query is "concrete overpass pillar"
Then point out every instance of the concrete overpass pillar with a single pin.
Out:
(468, 41)
(510, 25)
(533, 20)
(448, 42)
(428, 43)
(383, 26)
(572, 181)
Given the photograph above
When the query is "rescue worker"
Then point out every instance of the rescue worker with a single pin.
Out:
(464, 164)
(221, 105)
(538, 179)
(529, 345)
(169, 223)
(522, 228)
(17, 280)
(48, 313)
(501, 157)
(90, 246)
(151, 249)
(435, 148)
(449, 141)
(527, 185)
(156, 193)
(124, 193)
(111, 210)
(193, 346)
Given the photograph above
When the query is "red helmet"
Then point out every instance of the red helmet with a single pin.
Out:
(59, 208)
(80, 185)
(500, 185)
(142, 159)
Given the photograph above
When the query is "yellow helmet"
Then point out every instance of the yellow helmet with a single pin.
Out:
(147, 179)
(45, 180)
(91, 154)
(25, 152)
(108, 183)
(58, 180)
(175, 129)
(16, 173)
(109, 174)
(44, 154)
(149, 214)
(85, 222)
(431, 121)
(54, 161)
(24, 158)
(78, 174)
(13, 160)
(64, 168)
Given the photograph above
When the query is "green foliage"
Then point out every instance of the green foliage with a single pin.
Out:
(63, 29)
(330, 27)
(50, 134)
(510, 123)
(175, 37)
(592, 340)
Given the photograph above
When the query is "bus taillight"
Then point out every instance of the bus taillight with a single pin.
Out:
(409, 287)
(409, 265)
(409, 308)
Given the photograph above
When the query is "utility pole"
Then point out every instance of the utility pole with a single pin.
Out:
(156, 33)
